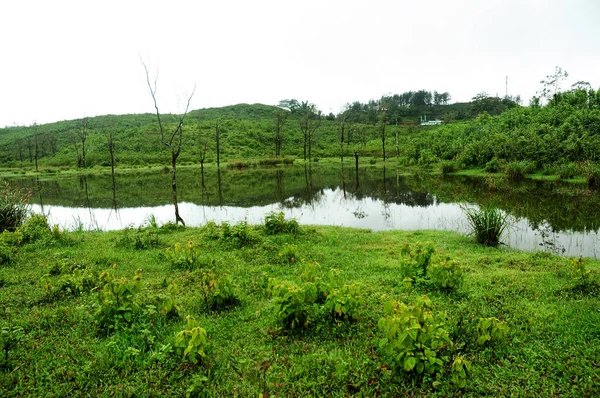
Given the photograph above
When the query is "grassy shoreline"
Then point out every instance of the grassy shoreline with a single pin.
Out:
(550, 349)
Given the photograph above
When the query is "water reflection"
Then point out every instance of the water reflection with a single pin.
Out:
(558, 219)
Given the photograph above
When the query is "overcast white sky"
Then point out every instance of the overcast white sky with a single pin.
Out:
(65, 59)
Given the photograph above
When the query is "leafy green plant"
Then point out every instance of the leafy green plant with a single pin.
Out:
(191, 342)
(491, 331)
(446, 274)
(343, 302)
(416, 259)
(184, 256)
(582, 272)
(567, 171)
(14, 207)
(218, 292)
(166, 303)
(238, 235)
(10, 337)
(288, 254)
(275, 223)
(69, 280)
(415, 338)
(293, 304)
(35, 228)
(493, 166)
(117, 300)
(448, 166)
(487, 223)
(591, 171)
(460, 370)
(141, 239)
(515, 170)
(6, 253)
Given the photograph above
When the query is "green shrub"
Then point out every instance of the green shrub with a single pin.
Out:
(491, 331)
(343, 302)
(415, 338)
(271, 161)
(5, 253)
(293, 304)
(448, 166)
(67, 279)
(238, 235)
(217, 292)
(35, 228)
(10, 337)
(567, 171)
(191, 342)
(416, 259)
(14, 207)
(288, 254)
(493, 166)
(275, 223)
(515, 170)
(117, 301)
(237, 164)
(591, 171)
(446, 274)
(183, 256)
(487, 224)
(460, 370)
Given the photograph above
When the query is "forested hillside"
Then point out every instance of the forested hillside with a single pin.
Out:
(567, 129)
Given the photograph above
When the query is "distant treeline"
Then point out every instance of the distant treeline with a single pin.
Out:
(566, 129)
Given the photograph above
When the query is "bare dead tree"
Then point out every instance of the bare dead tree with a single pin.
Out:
(309, 123)
(281, 116)
(171, 139)
(82, 134)
(35, 134)
(111, 150)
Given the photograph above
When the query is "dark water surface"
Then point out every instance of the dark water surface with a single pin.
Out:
(563, 219)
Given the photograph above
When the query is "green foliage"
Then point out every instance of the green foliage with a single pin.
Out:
(491, 331)
(184, 256)
(487, 224)
(415, 339)
(14, 207)
(275, 223)
(343, 302)
(416, 259)
(6, 253)
(515, 170)
(35, 228)
(493, 166)
(142, 239)
(567, 171)
(460, 371)
(448, 166)
(117, 301)
(10, 337)
(191, 342)
(165, 302)
(446, 274)
(218, 291)
(288, 254)
(583, 274)
(293, 304)
(238, 235)
(69, 279)
(296, 306)
(591, 171)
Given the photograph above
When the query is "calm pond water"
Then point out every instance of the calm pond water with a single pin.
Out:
(544, 215)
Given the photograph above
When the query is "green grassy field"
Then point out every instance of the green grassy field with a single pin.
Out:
(72, 327)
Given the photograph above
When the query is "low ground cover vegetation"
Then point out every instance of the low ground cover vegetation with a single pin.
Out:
(286, 310)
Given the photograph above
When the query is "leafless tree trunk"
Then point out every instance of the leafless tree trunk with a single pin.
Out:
(281, 116)
(111, 150)
(83, 135)
(172, 139)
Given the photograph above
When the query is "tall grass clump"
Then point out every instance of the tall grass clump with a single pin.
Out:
(14, 207)
(487, 224)
(270, 161)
